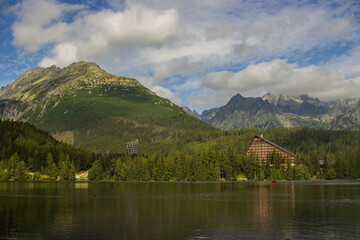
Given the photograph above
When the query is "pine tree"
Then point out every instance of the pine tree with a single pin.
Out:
(301, 172)
(72, 171)
(96, 171)
(261, 175)
(330, 173)
(143, 169)
(49, 162)
(123, 172)
(267, 170)
(20, 172)
(117, 171)
(13, 163)
(289, 173)
(54, 173)
(64, 171)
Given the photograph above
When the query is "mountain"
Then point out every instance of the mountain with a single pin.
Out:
(280, 110)
(95, 110)
(348, 120)
(242, 112)
(301, 105)
(192, 113)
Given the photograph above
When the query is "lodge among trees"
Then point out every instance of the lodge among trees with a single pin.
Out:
(132, 147)
(264, 149)
(27, 153)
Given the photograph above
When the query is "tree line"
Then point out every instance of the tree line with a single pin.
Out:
(31, 154)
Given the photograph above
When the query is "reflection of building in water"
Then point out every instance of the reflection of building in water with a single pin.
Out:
(132, 147)
(263, 209)
(264, 148)
(83, 185)
(269, 205)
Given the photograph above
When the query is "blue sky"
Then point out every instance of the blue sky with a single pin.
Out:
(197, 53)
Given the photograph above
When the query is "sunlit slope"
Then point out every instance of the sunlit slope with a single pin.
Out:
(102, 111)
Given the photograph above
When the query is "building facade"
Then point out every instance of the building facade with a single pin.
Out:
(132, 147)
(264, 149)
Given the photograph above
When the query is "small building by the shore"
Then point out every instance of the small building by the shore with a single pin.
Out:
(264, 149)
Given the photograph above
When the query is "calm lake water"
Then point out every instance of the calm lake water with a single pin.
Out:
(179, 210)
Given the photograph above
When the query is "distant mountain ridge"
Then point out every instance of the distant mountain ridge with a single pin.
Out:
(280, 110)
(93, 109)
(349, 120)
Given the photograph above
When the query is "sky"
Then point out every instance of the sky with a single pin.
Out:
(196, 53)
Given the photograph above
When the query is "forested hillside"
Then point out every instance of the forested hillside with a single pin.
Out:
(26, 148)
(204, 155)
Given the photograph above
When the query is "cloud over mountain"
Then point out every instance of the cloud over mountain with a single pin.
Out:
(176, 45)
(281, 77)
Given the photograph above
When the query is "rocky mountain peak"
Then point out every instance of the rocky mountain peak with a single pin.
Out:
(282, 99)
(91, 75)
(83, 68)
(236, 98)
(56, 81)
(27, 81)
(250, 104)
(193, 113)
(275, 110)
(349, 120)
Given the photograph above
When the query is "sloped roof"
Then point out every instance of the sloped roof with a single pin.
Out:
(271, 143)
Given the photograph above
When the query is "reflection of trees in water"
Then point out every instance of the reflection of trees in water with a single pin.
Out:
(165, 210)
(131, 217)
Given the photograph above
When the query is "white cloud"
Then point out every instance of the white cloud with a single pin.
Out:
(64, 53)
(281, 77)
(254, 76)
(106, 35)
(346, 89)
(168, 69)
(166, 93)
(178, 40)
(348, 64)
(219, 32)
(137, 25)
(213, 98)
(94, 34)
(38, 24)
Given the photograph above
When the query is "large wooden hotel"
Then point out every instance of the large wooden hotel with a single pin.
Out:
(264, 148)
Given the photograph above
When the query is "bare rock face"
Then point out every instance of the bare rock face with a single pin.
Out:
(279, 110)
(22, 88)
(350, 120)
(192, 113)
(8, 110)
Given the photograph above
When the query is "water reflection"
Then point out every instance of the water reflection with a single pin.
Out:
(82, 185)
(272, 202)
(146, 210)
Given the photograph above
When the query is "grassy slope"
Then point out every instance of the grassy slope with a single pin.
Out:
(105, 119)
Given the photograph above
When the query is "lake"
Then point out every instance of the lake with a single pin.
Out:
(180, 210)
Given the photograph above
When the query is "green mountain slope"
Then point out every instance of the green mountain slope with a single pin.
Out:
(96, 110)
(33, 146)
